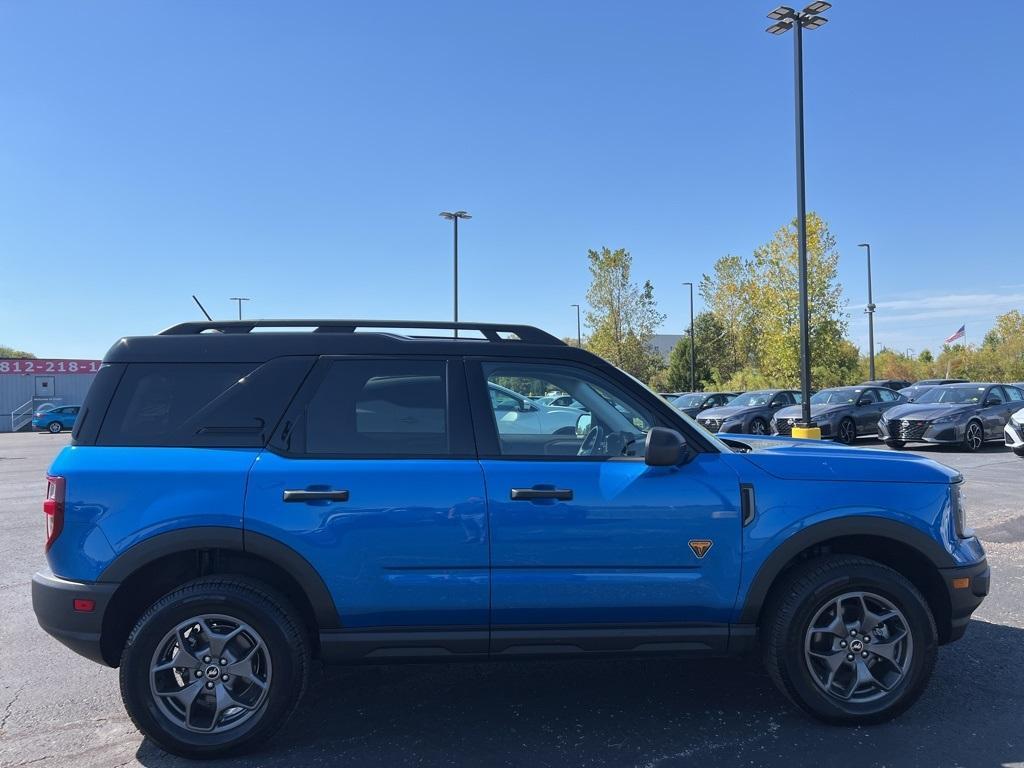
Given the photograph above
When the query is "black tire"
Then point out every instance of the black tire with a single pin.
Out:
(54, 427)
(970, 442)
(248, 601)
(759, 427)
(846, 431)
(896, 445)
(786, 625)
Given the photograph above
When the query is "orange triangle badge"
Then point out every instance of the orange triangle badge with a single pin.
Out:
(700, 547)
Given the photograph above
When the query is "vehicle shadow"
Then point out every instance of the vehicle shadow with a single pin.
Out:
(638, 713)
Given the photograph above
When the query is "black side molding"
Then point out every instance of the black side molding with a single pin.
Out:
(748, 503)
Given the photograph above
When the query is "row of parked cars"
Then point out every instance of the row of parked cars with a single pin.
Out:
(952, 412)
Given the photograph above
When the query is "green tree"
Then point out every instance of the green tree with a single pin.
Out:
(10, 352)
(757, 302)
(623, 316)
(709, 334)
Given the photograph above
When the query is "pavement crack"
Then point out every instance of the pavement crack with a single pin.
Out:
(9, 709)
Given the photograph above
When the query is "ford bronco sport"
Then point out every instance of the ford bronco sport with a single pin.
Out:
(240, 498)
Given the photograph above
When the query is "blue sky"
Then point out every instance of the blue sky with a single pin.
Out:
(298, 153)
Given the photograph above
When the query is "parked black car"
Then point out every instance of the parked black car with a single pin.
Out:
(842, 413)
(693, 403)
(918, 388)
(750, 413)
(967, 415)
(894, 384)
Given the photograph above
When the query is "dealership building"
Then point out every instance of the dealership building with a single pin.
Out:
(28, 383)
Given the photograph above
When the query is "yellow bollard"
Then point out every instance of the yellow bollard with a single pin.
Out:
(807, 433)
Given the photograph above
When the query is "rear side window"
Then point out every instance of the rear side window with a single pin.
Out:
(387, 407)
(201, 404)
(888, 395)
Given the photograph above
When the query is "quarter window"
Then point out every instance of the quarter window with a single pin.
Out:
(380, 408)
(1015, 394)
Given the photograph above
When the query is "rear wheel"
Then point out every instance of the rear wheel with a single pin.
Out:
(54, 427)
(214, 667)
(846, 433)
(974, 437)
(759, 427)
(849, 640)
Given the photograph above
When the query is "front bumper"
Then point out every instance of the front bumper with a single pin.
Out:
(967, 586)
(911, 431)
(1014, 434)
(53, 600)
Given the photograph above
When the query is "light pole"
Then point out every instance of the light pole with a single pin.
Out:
(579, 332)
(240, 299)
(453, 217)
(693, 366)
(785, 19)
(870, 311)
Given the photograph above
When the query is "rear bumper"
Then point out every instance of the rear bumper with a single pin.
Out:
(53, 600)
(964, 598)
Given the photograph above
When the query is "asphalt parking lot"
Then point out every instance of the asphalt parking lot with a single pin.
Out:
(57, 709)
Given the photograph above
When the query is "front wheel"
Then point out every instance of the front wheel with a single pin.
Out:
(849, 640)
(54, 427)
(974, 437)
(846, 432)
(214, 667)
(896, 445)
(759, 427)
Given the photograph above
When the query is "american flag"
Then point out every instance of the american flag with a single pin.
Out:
(961, 332)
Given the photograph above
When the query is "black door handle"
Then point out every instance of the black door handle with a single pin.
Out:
(530, 494)
(315, 496)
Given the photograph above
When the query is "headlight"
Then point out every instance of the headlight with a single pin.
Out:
(956, 504)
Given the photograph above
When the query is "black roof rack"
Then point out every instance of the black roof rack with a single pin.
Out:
(490, 331)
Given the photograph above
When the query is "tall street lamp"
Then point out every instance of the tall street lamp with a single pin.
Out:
(239, 299)
(785, 19)
(870, 312)
(693, 379)
(453, 217)
(579, 333)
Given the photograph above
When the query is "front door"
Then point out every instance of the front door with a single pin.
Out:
(586, 539)
(374, 481)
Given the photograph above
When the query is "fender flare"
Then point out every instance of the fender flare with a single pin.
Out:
(232, 539)
(879, 527)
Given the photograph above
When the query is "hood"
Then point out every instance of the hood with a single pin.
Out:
(728, 411)
(823, 409)
(809, 460)
(927, 411)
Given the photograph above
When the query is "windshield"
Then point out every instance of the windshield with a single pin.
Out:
(688, 401)
(965, 395)
(836, 396)
(751, 398)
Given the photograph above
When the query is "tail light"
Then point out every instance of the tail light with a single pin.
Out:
(53, 509)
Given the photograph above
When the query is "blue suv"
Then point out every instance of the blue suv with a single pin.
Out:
(235, 504)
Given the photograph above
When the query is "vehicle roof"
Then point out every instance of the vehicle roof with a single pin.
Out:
(254, 341)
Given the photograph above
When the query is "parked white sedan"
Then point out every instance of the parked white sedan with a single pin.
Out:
(517, 414)
(1014, 431)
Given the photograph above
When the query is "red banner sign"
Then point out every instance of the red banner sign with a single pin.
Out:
(47, 367)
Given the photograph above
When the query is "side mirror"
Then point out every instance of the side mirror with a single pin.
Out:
(992, 401)
(664, 447)
(583, 424)
(863, 401)
(526, 406)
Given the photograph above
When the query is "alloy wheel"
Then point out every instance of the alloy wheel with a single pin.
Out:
(858, 647)
(847, 432)
(758, 427)
(973, 438)
(210, 674)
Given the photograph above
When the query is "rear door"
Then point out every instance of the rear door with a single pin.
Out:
(373, 478)
(996, 412)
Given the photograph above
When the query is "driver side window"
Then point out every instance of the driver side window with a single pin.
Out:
(602, 422)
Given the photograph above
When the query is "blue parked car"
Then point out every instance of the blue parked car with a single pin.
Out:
(55, 420)
(236, 504)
